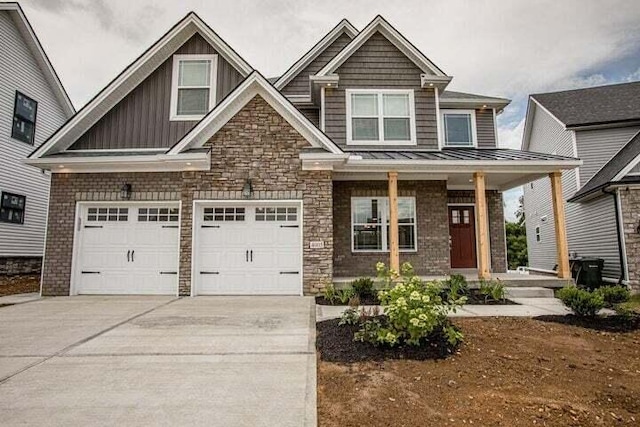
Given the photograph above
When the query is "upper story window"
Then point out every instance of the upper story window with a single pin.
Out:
(24, 118)
(459, 128)
(12, 208)
(193, 86)
(384, 116)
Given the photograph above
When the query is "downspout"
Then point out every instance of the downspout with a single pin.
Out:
(619, 229)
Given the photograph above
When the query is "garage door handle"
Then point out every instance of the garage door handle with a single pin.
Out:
(251, 255)
(209, 272)
(92, 226)
(169, 226)
(246, 255)
(132, 252)
(209, 226)
(289, 272)
(128, 253)
(90, 272)
(168, 272)
(289, 226)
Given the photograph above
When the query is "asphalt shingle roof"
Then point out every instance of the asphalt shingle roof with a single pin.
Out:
(605, 175)
(596, 105)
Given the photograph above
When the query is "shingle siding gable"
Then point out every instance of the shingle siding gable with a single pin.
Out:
(380, 64)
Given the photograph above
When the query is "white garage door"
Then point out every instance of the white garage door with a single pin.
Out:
(248, 249)
(127, 249)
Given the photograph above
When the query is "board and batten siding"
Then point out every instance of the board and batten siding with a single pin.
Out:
(378, 64)
(547, 136)
(20, 71)
(299, 85)
(141, 119)
(597, 147)
(485, 129)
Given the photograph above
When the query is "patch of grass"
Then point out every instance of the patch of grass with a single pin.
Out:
(633, 304)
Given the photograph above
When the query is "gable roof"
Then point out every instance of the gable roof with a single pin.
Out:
(343, 27)
(461, 99)
(600, 105)
(379, 24)
(253, 85)
(612, 171)
(133, 75)
(32, 41)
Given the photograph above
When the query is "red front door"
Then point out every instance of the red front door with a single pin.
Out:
(462, 232)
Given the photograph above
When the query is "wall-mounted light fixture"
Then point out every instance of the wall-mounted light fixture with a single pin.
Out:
(247, 190)
(125, 191)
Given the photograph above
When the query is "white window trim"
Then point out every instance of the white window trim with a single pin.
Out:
(474, 132)
(538, 234)
(383, 224)
(381, 140)
(173, 115)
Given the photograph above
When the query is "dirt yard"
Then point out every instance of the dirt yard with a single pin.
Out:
(10, 285)
(510, 372)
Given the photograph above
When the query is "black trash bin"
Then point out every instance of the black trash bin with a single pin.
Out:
(587, 272)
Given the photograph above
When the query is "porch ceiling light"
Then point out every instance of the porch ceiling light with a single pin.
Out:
(247, 190)
(125, 192)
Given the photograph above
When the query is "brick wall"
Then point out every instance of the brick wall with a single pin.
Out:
(495, 209)
(630, 204)
(432, 256)
(257, 144)
(11, 266)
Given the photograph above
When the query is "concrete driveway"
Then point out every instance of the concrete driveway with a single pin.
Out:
(215, 361)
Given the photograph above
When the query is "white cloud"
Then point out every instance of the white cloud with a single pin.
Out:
(511, 137)
(511, 203)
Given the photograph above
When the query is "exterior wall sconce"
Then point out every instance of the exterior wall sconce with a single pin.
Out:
(247, 190)
(125, 192)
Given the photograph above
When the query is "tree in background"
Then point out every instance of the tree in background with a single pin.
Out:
(517, 239)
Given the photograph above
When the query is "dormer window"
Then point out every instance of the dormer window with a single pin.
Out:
(459, 128)
(193, 86)
(380, 117)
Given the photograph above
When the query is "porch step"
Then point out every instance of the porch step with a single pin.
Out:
(529, 292)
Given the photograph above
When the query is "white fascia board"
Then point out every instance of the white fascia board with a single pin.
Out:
(381, 25)
(343, 26)
(253, 85)
(476, 103)
(429, 81)
(462, 166)
(132, 163)
(25, 28)
(132, 76)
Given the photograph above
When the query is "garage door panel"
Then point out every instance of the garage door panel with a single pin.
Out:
(249, 249)
(130, 245)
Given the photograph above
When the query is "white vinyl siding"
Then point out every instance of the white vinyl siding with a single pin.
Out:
(547, 136)
(597, 147)
(20, 71)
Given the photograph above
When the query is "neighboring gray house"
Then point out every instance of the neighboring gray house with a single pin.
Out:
(600, 126)
(192, 174)
(33, 104)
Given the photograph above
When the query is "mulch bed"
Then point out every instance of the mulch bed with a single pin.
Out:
(473, 298)
(600, 323)
(509, 372)
(335, 344)
(11, 285)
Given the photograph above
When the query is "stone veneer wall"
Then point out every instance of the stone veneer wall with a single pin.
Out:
(432, 256)
(256, 144)
(497, 237)
(11, 266)
(630, 204)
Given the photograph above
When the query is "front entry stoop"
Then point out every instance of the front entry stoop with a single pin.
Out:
(529, 292)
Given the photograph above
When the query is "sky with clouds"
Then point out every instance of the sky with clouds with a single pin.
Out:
(499, 48)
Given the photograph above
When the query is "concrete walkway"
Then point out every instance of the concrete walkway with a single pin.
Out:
(19, 298)
(529, 307)
(227, 361)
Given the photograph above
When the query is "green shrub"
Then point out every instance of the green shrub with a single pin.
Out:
(492, 290)
(330, 294)
(414, 310)
(344, 295)
(363, 286)
(613, 295)
(582, 302)
(457, 286)
(350, 317)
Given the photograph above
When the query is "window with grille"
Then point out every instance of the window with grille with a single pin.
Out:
(277, 214)
(108, 214)
(224, 214)
(158, 214)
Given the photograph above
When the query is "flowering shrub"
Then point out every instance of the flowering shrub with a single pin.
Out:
(414, 310)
